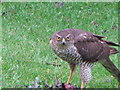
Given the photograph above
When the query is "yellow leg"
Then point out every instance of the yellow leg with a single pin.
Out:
(82, 85)
(72, 68)
(70, 76)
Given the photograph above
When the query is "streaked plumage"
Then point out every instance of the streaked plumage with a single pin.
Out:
(83, 48)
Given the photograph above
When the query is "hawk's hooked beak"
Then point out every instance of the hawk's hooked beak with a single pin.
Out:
(63, 41)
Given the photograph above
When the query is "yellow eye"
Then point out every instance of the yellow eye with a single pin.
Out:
(68, 38)
(58, 38)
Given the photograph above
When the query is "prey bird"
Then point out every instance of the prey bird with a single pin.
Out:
(83, 48)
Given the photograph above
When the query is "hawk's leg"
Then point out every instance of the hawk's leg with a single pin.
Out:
(85, 74)
(72, 68)
(82, 85)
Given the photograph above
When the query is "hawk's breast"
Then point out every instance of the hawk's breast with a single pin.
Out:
(70, 55)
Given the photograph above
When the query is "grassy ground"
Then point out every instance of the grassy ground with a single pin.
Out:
(27, 28)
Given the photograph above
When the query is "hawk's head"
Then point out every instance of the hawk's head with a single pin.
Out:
(62, 39)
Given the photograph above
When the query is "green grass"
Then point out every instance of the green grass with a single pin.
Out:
(27, 28)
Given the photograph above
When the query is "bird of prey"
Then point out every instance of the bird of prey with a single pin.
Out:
(83, 48)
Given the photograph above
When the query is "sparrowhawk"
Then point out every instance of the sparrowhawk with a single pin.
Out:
(83, 48)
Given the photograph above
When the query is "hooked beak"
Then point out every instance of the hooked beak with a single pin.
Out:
(63, 41)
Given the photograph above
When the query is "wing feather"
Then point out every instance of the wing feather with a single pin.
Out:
(91, 48)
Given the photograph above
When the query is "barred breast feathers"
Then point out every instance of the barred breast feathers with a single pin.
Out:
(69, 54)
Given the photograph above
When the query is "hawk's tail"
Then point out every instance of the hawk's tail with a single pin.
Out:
(108, 64)
(113, 51)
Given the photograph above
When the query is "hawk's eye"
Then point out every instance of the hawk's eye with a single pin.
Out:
(58, 38)
(68, 38)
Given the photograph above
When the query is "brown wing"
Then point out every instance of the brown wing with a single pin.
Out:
(112, 50)
(91, 48)
(108, 42)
